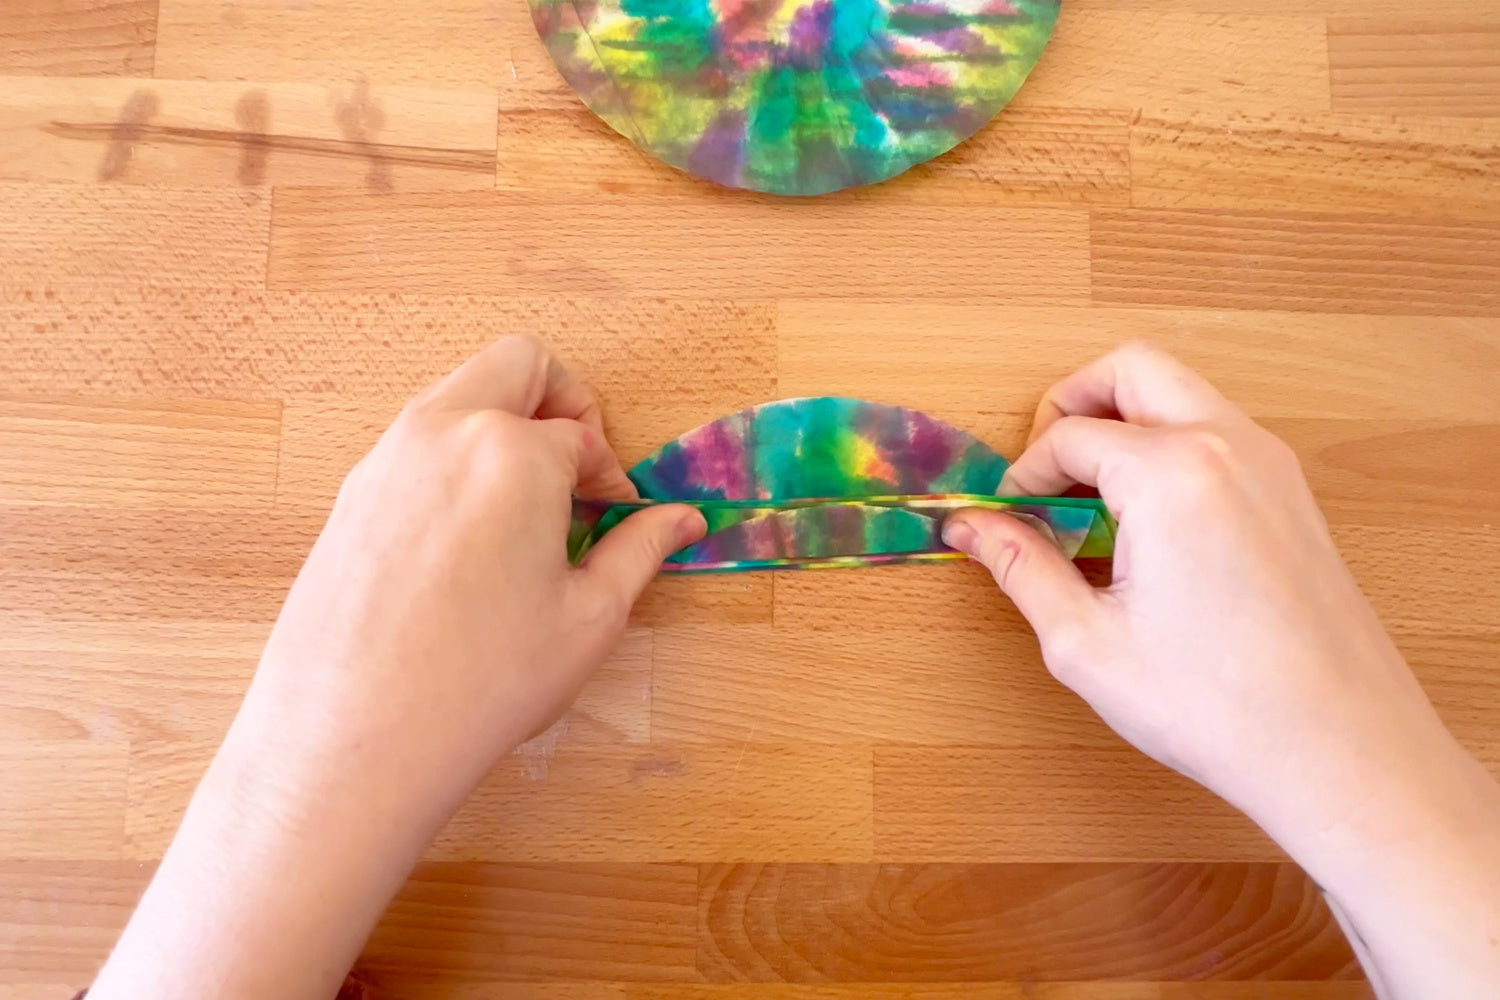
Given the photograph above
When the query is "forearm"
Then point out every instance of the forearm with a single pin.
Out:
(1415, 872)
(269, 888)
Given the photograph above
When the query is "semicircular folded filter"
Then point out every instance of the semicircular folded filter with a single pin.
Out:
(795, 97)
(830, 481)
(820, 447)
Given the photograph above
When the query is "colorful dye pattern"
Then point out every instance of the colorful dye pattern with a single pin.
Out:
(830, 481)
(823, 534)
(796, 97)
(824, 447)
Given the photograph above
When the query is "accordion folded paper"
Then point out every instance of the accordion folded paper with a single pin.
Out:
(830, 481)
(796, 97)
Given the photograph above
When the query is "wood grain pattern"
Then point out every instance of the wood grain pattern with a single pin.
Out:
(485, 926)
(1180, 58)
(44, 817)
(448, 43)
(999, 358)
(1318, 163)
(668, 802)
(78, 37)
(1372, 472)
(236, 235)
(895, 685)
(973, 805)
(249, 344)
(1002, 922)
(656, 802)
(1232, 259)
(69, 563)
(1416, 65)
(1394, 564)
(143, 680)
(663, 246)
(408, 988)
(206, 453)
(102, 235)
(1029, 990)
(487, 921)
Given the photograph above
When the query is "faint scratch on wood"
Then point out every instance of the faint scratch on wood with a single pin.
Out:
(536, 752)
(656, 766)
(743, 747)
(465, 160)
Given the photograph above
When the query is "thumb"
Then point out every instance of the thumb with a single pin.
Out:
(1027, 565)
(625, 560)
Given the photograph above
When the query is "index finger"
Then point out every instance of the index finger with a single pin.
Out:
(519, 375)
(1075, 450)
(596, 470)
(1138, 383)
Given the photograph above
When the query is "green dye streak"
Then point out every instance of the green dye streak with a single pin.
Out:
(676, 34)
(891, 531)
(776, 107)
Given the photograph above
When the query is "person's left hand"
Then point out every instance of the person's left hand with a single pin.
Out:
(435, 626)
(437, 623)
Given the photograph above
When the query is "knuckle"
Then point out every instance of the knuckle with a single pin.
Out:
(1066, 649)
(603, 608)
(647, 555)
(355, 480)
(1281, 454)
(477, 430)
(1137, 356)
(419, 407)
(1003, 559)
(1138, 350)
(491, 443)
(1069, 424)
(1198, 460)
(519, 348)
(526, 344)
(1071, 427)
(527, 351)
(995, 557)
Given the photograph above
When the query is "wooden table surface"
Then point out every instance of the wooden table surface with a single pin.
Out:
(235, 235)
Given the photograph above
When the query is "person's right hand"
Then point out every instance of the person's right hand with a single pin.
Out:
(1233, 644)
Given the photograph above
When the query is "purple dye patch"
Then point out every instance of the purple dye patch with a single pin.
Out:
(719, 154)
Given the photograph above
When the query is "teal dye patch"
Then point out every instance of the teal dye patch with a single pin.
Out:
(799, 97)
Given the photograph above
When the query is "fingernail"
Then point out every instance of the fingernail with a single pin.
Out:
(1038, 525)
(690, 527)
(960, 535)
(1007, 487)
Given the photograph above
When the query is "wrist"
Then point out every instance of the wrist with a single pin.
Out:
(356, 754)
(293, 791)
(270, 887)
(1436, 805)
(1367, 788)
(1414, 869)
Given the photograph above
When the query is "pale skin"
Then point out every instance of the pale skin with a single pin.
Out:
(437, 625)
